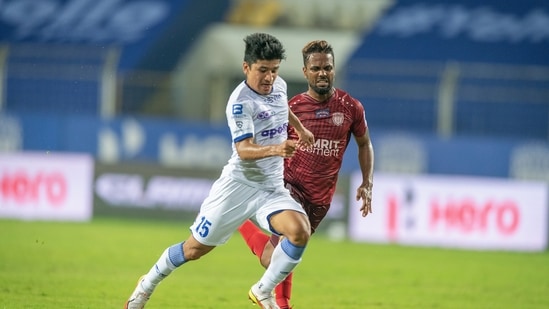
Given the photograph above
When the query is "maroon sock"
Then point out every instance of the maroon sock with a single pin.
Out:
(254, 237)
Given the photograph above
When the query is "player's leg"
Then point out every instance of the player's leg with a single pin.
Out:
(285, 257)
(214, 225)
(172, 258)
(294, 225)
(283, 290)
(262, 246)
(256, 239)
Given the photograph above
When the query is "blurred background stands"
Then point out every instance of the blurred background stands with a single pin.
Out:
(441, 96)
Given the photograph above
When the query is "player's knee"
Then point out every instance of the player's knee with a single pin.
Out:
(299, 234)
(293, 225)
(192, 255)
(301, 238)
(194, 252)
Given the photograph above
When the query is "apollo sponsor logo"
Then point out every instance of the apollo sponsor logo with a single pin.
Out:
(276, 131)
(82, 20)
(324, 147)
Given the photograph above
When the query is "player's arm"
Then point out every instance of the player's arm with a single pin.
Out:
(240, 120)
(306, 137)
(366, 162)
(248, 150)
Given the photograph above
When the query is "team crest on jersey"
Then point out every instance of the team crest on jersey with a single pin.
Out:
(337, 118)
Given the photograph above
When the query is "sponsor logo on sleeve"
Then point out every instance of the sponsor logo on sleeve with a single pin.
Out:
(237, 109)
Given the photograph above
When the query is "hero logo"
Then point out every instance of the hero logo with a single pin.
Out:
(464, 216)
(23, 188)
(274, 132)
(82, 20)
(482, 24)
(467, 216)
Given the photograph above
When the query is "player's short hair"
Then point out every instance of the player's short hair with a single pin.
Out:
(317, 46)
(262, 46)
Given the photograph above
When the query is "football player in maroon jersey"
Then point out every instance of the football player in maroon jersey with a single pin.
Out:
(332, 115)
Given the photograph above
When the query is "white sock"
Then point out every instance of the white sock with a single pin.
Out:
(281, 266)
(160, 270)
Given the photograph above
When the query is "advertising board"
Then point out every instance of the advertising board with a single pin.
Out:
(150, 191)
(457, 212)
(46, 186)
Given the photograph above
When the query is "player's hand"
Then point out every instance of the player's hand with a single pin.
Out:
(306, 138)
(287, 148)
(364, 193)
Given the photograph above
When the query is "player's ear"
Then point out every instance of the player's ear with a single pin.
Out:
(245, 67)
(304, 71)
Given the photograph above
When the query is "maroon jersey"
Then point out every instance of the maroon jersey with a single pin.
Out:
(314, 171)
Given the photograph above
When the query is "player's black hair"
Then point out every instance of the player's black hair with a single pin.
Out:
(318, 46)
(262, 46)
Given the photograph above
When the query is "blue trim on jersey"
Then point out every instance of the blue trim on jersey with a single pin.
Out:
(269, 220)
(252, 89)
(243, 137)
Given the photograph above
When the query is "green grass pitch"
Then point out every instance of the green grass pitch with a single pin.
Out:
(95, 265)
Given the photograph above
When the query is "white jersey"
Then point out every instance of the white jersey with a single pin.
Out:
(265, 118)
(248, 189)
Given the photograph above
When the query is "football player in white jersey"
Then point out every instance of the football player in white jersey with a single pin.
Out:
(251, 184)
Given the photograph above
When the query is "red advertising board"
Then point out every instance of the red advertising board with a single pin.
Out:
(46, 186)
(459, 212)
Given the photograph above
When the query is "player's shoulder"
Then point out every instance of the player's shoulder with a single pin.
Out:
(280, 83)
(347, 98)
(279, 79)
(300, 97)
(344, 95)
(242, 90)
(242, 96)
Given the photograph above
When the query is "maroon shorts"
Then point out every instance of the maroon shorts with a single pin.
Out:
(315, 212)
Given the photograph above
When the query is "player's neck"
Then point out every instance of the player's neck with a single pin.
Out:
(321, 97)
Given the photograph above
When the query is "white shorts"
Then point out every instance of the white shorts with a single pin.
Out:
(230, 203)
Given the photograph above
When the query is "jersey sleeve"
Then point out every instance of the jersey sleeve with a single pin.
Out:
(359, 119)
(292, 134)
(240, 120)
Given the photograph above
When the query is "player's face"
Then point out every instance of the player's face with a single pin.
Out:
(319, 72)
(261, 75)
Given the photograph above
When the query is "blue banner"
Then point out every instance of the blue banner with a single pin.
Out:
(139, 28)
(201, 146)
(487, 61)
(466, 30)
